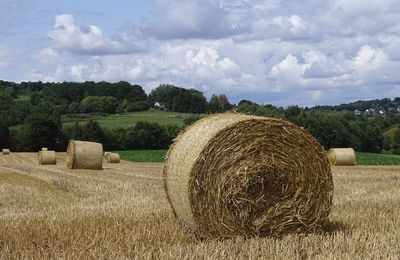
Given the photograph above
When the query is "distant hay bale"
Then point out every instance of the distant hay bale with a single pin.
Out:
(84, 155)
(5, 151)
(233, 174)
(112, 157)
(44, 149)
(342, 156)
(47, 157)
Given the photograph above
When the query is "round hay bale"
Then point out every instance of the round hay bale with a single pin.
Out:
(44, 149)
(47, 157)
(84, 155)
(5, 151)
(112, 157)
(342, 156)
(233, 174)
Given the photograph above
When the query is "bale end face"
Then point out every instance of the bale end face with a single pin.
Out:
(47, 157)
(84, 155)
(230, 174)
(342, 157)
(5, 151)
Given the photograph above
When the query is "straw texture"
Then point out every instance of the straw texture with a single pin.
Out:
(233, 174)
(47, 157)
(84, 155)
(5, 151)
(112, 157)
(342, 157)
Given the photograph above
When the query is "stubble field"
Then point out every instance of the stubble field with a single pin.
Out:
(122, 212)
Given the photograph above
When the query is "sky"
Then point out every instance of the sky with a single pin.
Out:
(280, 52)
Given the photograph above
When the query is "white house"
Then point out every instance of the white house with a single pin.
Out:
(160, 106)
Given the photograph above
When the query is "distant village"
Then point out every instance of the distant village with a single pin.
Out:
(377, 107)
(373, 111)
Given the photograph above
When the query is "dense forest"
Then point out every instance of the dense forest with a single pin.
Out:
(30, 116)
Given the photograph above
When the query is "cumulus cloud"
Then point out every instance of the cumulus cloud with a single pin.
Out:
(292, 27)
(66, 35)
(288, 72)
(48, 55)
(369, 59)
(203, 19)
(367, 71)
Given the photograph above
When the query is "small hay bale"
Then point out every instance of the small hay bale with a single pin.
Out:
(233, 174)
(47, 157)
(5, 151)
(342, 157)
(44, 149)
(84, 155)
(112, 157)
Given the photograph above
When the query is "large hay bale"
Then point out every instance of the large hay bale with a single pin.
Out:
(47, 157)
(233, 174)
(84, 155)
(112, 157)
(342, 156)
(5, 151)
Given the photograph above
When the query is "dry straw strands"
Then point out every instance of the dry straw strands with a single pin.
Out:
(84, 155)
(342, 156)
(5, 151)
(47, 157)
(233, 174)
(112, 157)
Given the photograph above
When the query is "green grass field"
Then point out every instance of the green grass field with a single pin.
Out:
(129, 119)
(143, 155)
(159, 155)
(377, 159)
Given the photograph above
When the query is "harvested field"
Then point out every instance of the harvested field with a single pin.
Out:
(122, 212)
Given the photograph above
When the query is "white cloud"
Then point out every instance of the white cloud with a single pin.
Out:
(203, 19)
(368, 72)
(292, 27)
(208, 58)
(288, 72)
(48, 55)
(369, 59)
(66, 35)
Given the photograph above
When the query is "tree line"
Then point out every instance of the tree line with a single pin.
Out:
(20, 100)
(386, 104)
(337, 129)
(38, 132)
(35, 110)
